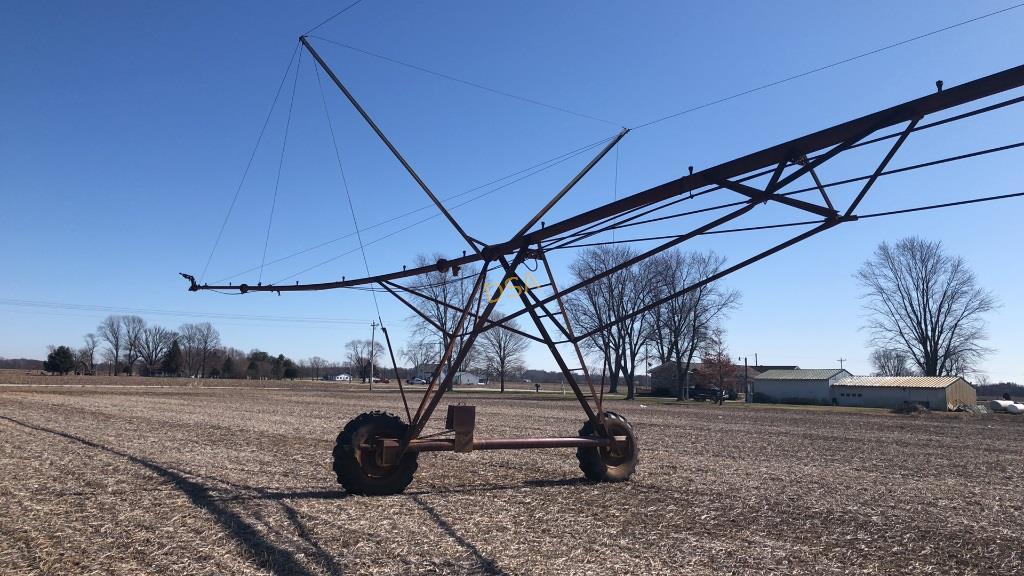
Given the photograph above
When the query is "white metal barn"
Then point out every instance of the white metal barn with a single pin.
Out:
(932, 392)
(798, 386)
(463, 378)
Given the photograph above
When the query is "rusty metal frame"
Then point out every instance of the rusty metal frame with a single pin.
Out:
(806, 154)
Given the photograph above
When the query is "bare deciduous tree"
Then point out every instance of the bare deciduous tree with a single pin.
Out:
(361, 355)
(716, 365)
(889, 362)
(87, 353)
(134, 327)
(610, 299)
(682, 326)
(421, 352)
(197, 342)
(503, 350)
(317, 364)
(188, 339)
(156, 341)
(927, 304)
(112, 333)
(442, 288)
(208, 341)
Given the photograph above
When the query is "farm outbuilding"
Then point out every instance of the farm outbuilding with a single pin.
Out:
(932, 392)
(800, 386)
(463, 378)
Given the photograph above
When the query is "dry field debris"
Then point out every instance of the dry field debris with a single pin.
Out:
(195, 480)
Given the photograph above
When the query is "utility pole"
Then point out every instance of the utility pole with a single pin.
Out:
(373, 334)
(747, 396)
(841, 360)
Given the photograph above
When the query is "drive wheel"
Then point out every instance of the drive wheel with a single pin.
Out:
(356, 464)
(611, 463)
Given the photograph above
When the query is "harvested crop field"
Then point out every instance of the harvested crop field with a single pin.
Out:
(193, 480)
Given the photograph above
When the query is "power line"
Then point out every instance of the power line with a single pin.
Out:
(827, 66)
(67, 306)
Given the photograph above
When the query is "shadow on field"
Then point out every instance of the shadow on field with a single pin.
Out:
(276, 559)
(487, 565)
(264, 554)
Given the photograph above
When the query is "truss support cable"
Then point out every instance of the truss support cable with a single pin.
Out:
(943, 205)
(348, 192)
(280, 165)
(523, 174)
(335, 15)
(427, 219)
(827, 66)
(467, 82)
(248, 165)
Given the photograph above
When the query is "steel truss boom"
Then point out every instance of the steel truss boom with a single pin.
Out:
(835, 139)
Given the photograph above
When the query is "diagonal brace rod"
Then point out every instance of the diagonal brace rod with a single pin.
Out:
(565, 190)
(387, 142)
(755, 194)
(881, 167)
(444, 304)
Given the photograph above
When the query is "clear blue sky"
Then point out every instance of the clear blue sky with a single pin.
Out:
(126, 127)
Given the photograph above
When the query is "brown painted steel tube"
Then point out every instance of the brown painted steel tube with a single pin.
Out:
(514, 443)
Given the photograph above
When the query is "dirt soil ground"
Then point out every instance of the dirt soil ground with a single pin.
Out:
(194, 480)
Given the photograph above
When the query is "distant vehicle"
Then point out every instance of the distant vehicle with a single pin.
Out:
(379, 380)
(343, 378)
(713, 393)
(527, 381)
(417, 380)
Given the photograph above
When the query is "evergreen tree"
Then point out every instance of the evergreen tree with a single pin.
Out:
(291, 371)
(172, 360)
(228, 369)
(278, 367)
(60, 360)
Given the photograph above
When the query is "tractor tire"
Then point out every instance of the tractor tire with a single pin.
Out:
(357, 469)
(608, 464)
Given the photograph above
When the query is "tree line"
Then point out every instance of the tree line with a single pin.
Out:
(128, 345)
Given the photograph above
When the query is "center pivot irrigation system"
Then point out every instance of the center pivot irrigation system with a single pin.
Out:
(376, 453)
